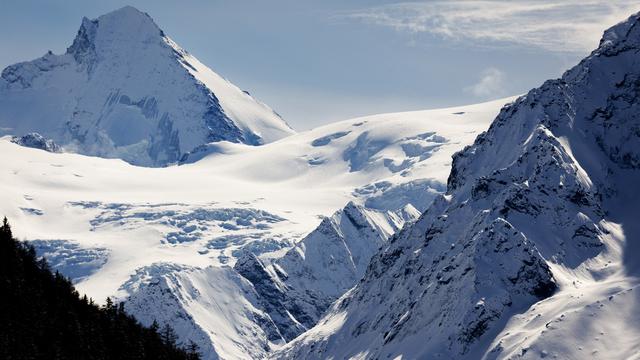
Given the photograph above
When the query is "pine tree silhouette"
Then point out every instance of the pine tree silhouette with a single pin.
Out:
(168, 335)
(193, 350)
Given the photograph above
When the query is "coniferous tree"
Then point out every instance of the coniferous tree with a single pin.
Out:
(6, 229)
(168, 335)
(193, 350)
(154, 326)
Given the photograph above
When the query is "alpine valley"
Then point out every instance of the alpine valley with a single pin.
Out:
(148, 179)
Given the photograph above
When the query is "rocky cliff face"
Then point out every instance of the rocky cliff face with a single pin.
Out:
(36, 141)
(125, 90)
(530, 214)
(299, 287)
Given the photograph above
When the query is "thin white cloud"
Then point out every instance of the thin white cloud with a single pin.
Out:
(556, 25)
(491, 84)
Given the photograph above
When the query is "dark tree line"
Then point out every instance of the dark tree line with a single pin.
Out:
(42, 316)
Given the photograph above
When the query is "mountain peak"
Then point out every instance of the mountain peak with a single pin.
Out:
(625, 34)
(129, 18)
(125, 90)
(121, 30)
(127, 11)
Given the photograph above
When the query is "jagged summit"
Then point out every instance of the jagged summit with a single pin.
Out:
(126, 32)
(125, 90)
(125, 25)
(624, 33)
(129, 15)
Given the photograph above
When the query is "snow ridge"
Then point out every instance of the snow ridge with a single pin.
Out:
(299, 287)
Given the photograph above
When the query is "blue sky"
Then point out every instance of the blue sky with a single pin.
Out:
(320, 61)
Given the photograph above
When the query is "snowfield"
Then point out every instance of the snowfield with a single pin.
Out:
(167, 239)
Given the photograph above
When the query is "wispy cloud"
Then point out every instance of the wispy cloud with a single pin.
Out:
(491, 84)
(555, 25)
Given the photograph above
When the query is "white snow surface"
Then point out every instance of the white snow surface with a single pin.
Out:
(167, 239)
(532, 252)
(125, 90)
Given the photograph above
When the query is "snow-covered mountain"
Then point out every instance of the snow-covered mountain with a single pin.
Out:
(532, 251)
(125, 90)
(297, 288)
(228, 248)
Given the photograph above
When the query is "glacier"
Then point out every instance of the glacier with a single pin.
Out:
(241, 248)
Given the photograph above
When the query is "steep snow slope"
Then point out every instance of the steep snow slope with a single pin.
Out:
(125, 90)
(168, 238)
(532, 252)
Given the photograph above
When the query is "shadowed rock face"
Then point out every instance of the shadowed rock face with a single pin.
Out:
(532, 191)
(125, 90)
(299, 287)
(36, 141)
